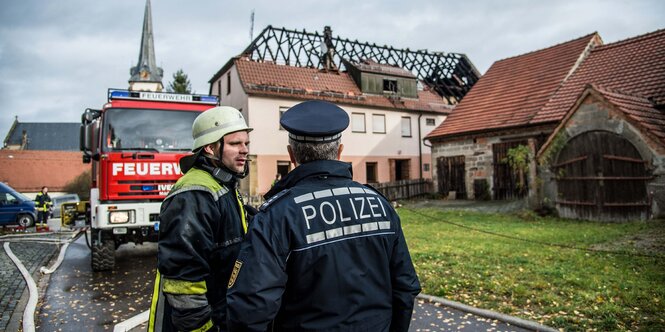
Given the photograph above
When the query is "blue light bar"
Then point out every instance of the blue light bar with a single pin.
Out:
(114, 94)
(163, 96)
(209, 99)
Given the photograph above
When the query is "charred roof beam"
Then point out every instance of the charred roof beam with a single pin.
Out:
(450, 74)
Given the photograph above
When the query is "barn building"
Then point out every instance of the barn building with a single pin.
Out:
(587, 116)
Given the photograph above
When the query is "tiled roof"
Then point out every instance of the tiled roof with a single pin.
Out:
(270, 79)
(640, 110)
(514, 89)
(60, 136)
(28, 171)
(635, 67)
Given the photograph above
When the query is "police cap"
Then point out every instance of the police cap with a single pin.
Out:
(315, 121)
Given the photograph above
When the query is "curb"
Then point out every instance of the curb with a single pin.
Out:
(519, 322)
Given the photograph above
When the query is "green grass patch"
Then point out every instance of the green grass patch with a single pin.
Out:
(529, 267)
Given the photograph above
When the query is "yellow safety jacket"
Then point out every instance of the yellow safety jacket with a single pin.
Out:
(43, 202)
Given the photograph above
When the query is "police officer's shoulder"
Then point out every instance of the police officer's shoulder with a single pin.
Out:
(274, 199)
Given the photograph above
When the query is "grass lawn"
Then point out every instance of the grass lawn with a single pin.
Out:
(521, 265)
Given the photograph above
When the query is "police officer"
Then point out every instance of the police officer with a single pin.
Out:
(202, 222)
(324, 253)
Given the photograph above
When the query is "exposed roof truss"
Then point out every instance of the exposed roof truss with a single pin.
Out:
(451, 75)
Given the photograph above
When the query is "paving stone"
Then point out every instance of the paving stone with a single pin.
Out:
(33, 255)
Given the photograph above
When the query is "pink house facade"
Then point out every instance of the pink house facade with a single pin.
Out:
(384, 139)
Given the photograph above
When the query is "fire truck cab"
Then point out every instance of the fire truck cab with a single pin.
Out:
(134, 144)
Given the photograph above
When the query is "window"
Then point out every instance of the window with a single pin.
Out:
(358, 122)
(406, 126)
(425, 167)
(120, 131)
(282, 109)
(378, 123)
(429, 122)
(389, 85)
(283, 167)
(7, 199)
(228, 83)
(370, 172)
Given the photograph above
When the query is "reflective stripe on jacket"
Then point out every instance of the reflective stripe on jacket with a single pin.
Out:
(43, 202)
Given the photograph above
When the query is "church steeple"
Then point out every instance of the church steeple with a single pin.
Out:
(146, 76)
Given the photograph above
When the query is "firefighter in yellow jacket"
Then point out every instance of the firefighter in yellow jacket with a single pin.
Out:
(43, 205)
(202, 222)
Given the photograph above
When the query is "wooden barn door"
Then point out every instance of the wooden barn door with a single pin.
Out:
(601, 176)
(506, 180)
(450, 171)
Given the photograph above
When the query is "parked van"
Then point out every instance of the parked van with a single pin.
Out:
(16, 208)
(59, 200)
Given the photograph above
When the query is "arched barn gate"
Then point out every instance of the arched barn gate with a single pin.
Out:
(601, 176)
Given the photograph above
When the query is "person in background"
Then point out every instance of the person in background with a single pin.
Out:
(202, 222)
(44, 205)
(324, 253)
(278, 177)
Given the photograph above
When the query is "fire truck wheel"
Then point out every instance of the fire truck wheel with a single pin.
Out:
(103, 255)
(25, 220)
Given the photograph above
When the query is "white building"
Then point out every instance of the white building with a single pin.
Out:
(383, 141)
(390, 108)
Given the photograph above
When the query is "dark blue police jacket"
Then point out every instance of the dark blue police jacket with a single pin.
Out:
(324, 253)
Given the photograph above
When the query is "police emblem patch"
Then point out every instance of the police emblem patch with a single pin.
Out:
(234, 274)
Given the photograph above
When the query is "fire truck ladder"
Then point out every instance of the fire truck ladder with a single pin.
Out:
(451, 75)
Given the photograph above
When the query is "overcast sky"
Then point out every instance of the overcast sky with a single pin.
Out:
(59, 57)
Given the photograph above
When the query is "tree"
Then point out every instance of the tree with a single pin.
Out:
(80, 185)
(180, 83)
(518, 158)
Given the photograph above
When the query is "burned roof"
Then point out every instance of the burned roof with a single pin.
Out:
(450, 75)
(377, 68)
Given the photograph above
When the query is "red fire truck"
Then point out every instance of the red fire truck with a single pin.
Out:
(134, 143)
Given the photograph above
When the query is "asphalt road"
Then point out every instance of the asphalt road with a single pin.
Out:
(78, 299)
(435, 317)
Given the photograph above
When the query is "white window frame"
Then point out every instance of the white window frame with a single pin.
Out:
(355, 122)
(404, 134)
(382, 118)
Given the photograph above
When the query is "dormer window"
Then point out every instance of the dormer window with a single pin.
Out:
(382, 79)
(390, 86)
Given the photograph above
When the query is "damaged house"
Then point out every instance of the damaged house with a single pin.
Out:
(394, 98)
